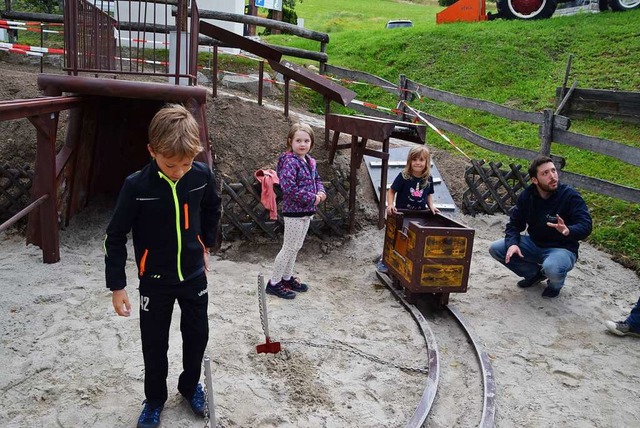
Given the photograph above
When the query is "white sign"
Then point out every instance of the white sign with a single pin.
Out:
(269, 4)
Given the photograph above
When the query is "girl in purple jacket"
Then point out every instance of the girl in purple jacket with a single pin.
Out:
(302, 191)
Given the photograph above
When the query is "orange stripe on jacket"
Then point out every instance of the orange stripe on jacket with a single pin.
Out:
(143, 261)
(186, 216)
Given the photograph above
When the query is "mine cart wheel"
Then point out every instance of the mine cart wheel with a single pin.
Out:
(529, 9)
(622, 5)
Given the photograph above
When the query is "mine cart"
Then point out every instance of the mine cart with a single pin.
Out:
(428, 253)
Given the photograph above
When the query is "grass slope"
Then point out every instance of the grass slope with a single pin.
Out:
(515, 63)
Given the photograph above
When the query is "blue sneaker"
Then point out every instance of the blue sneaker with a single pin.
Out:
(150, 416)
(197, 401)
(381, 267)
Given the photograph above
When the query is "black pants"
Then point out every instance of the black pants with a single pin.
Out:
(156, 308)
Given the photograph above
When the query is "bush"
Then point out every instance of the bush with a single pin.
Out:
(288, 15)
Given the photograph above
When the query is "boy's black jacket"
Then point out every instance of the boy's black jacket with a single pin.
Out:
(171, 225)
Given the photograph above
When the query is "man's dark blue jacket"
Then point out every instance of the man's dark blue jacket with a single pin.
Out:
(171, 225)
(531, 213)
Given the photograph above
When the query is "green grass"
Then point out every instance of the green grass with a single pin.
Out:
(514, 63)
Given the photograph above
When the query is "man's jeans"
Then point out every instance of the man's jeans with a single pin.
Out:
(554, 262)
(634, 318)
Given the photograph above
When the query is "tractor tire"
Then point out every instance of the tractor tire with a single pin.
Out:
(529, 9)
(623, 5)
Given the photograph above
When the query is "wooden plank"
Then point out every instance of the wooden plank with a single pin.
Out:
(369, 128)
(601, 187)
(360, 76)
(476, 104)
(480, 141)
(628, 154)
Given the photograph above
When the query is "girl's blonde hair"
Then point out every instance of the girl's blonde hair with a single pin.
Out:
(173, 131)
(418, 152)
(300, 127)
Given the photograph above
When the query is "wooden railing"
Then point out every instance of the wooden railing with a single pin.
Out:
(43, 113)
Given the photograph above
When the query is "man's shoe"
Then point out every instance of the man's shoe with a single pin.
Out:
(279, 290)
(550, 293)
(294, 284)
(197, 402)
(621, 328)
(150, 416)
(536, 279)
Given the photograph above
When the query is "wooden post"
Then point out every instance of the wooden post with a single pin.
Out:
(402, 96)
(382, 207)
(43, 222)
(277, 15)
(253, 11)
(327, 111)
(286, 96)
(13, 34)
(353, 178)
(214, 73)
(323, 64)
(566, 76)
(546, 132)
(260, 81)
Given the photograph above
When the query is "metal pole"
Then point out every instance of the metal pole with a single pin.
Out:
(209, 381)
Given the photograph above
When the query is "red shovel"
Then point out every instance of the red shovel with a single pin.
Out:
(269, 347)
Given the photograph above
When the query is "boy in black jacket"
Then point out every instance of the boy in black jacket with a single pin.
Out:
(172, 208)
(556, 218)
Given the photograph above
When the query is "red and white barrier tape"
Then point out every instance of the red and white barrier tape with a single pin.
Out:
(432, 126)
(20, 51)
(152, 42)
(28, 48)
(146, 61)
(34, 27)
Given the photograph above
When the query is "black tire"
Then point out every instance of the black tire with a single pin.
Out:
(603, 5)
(623, 5)
(529, 9)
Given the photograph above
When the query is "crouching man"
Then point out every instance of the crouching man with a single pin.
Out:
(555, 218)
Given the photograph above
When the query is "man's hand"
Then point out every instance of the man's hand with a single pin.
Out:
(559, 226)
(514, 249)
(121, 304)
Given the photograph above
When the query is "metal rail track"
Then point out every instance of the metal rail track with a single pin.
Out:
(487, 420)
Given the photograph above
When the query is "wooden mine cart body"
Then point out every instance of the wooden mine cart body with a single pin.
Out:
(428, 253)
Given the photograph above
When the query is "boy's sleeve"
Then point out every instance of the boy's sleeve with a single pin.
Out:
(115, 242)
(210, 212)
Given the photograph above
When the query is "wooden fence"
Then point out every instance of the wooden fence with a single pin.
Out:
(602, 104)
(244, 216)
(553, 128)
(15, 190)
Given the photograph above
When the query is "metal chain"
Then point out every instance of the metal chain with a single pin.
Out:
(345, 347)
(206, 398)
(261, 292)
(206, 405)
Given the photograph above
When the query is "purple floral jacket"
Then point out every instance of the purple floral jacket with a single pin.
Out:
(300, 182)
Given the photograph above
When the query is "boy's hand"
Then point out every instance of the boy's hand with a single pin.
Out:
(391, 209)
(121, 304)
